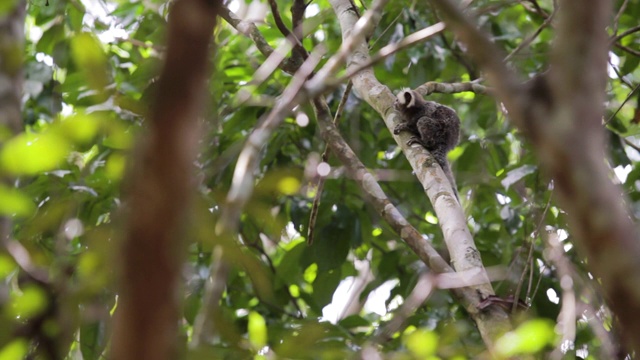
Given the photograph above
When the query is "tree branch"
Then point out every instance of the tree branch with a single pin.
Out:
(415, 38)
(297, 16)
(465, 256)
(567, 317)
(11, 72)
(359, 30)
(451, 88)
(524, 43)
(616, 20)
(250, 30)
(562, 115)
(372, 191)
(633, 30)
(313, 214)
(627, 49)
(243, 175)
(300, 54)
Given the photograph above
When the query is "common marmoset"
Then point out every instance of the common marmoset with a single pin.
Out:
(434, 126)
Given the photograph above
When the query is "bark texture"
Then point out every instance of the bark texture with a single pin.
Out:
(148, 304)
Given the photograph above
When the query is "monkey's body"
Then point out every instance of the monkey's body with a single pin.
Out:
(434, 126)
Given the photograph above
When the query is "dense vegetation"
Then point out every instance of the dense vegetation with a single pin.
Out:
(74, 158)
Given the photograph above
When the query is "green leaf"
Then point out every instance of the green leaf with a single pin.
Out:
(325, 285)
(51, 38)
(80, 128)
(115, 167)
(421, 343)
(288, 270)
(7, 265)
(257, 330)
(29, 302)
(15, 203)
(16, 349)
(354, 321)
(75, 14)
(191, 307)
(529, 338)
(630, 64)
(30, 154)
(333, 241)
(515, 175)
(88, 56)
(93, 340)
(119, 137)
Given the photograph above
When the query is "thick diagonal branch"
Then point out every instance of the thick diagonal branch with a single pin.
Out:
(464, 254)
(562, 115)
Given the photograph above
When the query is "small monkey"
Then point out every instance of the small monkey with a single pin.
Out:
(434, 126)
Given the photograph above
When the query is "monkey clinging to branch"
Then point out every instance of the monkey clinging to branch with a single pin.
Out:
(434, 126)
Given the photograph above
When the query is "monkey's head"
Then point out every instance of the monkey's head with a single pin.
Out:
(407, 99)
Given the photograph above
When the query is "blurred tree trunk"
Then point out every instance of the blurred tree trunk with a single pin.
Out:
(11, 53)
(147, 316)
(11, 60)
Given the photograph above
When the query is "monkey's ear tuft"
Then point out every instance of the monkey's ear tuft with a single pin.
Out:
(408, 99)
(400, 98)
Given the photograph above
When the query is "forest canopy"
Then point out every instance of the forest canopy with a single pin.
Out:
(206, 179)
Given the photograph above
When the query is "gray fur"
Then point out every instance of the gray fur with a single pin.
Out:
(434, 126)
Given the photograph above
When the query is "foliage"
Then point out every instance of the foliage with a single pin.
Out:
(89, 71)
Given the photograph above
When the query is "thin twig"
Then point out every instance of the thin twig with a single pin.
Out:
(616, 20)
(564, 270)
(243, 176)
(324, 158)
(632, 145)
(415, 38)
(473, 72)
(620, 77)
(533, 36)
(535, 291)
(627, 49)
(533, 238)
(214, 288)
(250, 30)
(623, 103)
(361, 30)
(527, 297)
(292, 299)
(385, 30)
(633, 30)
(299, 50)
(539, 10)
(420, 293)
(516, 294)
(276, 17)
(297, 17)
